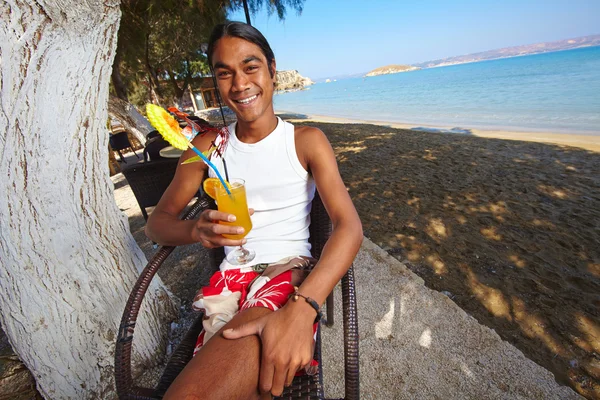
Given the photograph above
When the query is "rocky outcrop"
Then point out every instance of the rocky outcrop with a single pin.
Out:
(391, 69)
(291, 80)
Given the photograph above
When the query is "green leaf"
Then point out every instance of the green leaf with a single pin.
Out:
(192, 160)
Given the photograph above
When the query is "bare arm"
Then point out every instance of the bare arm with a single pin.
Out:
(347, 235)
(165, 227)
(286, 335)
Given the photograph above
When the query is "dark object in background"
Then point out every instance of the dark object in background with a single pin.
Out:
(149, 180)
(154, 144)
(120, 141)
(199, 120)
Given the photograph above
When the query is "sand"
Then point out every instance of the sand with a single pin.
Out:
(415, 343)
(508, 229)
(588, 142)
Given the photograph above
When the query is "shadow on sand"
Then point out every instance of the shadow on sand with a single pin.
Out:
(508, 229)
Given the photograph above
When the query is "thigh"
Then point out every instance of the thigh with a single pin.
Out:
(223, 369)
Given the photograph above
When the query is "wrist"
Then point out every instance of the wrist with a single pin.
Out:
(304, 304)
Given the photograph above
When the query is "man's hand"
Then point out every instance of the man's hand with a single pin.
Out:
(287, 344)
(209, 232)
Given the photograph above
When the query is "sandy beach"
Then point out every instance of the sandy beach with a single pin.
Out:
(587, 142)
(508, 229)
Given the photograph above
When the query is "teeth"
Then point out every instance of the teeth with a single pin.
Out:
(248, 100)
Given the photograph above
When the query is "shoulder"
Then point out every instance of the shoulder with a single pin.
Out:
(309, 135)
(311, 143)
(203, 141)
(307, 130)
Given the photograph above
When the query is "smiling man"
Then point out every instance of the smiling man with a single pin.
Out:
(254, 340)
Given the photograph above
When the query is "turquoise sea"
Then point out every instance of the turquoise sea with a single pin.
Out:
(553, 92)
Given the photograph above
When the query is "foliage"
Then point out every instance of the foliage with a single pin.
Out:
(159, 46)
(161, 42)
(273, 6)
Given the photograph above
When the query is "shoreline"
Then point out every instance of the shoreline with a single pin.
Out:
(587, 142)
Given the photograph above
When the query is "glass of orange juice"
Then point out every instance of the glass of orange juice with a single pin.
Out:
(236, 204)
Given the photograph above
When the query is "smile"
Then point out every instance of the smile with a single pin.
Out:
(248, 100)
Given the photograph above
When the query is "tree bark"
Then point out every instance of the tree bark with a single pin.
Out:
(117, 79)
(152, 75)
(176, 89)
(67, 257)
(179, 92)
(130, 117)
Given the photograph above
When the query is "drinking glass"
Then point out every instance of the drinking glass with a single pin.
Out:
(236, 204)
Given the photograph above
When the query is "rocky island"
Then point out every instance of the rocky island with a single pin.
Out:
(291, 80)
(391, 69)
(506, 52)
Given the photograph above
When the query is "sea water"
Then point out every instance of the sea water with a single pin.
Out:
(554, 92)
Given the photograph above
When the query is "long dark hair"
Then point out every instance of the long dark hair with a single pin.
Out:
(242, 31)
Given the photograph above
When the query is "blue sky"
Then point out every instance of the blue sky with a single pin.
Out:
(335, 37)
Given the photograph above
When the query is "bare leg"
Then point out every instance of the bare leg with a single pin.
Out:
(223, 369)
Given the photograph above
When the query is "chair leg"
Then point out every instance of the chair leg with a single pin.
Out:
(329, 321)
(144, 213)
(132, 149)
(121, 156)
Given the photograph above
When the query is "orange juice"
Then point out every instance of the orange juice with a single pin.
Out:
(235, 204)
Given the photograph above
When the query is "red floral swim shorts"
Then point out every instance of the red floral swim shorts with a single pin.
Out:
(235, 290)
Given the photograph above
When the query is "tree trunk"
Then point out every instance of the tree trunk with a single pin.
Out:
(67, 257)
(152, 75)
(130, 117)
(176, 89)
(179, 92)
(117, 79)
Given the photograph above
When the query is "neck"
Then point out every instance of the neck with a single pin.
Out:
(255, 131)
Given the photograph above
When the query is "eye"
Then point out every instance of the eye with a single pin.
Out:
(252, 68)
(222, 74)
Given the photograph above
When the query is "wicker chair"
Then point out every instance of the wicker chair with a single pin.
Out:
(304, 387)
(149, 180)
(119, 141)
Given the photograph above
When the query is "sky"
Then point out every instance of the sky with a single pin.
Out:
(332, 38)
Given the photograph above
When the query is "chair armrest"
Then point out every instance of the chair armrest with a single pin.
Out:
(123, 378)
(351, 359)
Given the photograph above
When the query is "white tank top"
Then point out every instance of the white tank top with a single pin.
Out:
(278, 188)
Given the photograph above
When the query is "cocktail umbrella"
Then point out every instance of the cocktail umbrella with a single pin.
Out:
(169, 129)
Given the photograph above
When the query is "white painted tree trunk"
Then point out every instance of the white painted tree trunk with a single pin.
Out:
(68, 259)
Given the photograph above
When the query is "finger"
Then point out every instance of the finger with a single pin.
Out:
(247, 329)
(290, 376)
(251, 211)
(232, 243)
(220, 241)
(214, 215)
(207, 243)
(219, 229)
(267, 369)
(279, 379)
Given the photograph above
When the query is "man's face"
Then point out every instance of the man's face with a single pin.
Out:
(243, 77)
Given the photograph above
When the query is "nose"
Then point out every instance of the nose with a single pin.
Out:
(240, 82)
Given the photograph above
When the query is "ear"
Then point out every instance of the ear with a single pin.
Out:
(273, 69)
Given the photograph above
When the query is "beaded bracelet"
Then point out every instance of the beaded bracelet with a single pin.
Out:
(310, 301)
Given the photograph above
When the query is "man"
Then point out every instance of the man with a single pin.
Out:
(261, 348)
